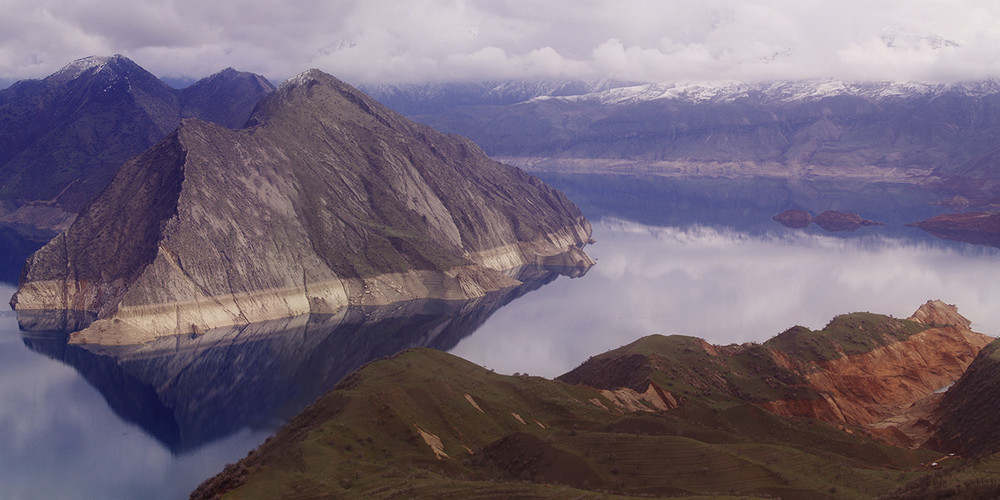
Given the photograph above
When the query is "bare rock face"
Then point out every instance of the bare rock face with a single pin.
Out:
(938, 313)
(329, 199)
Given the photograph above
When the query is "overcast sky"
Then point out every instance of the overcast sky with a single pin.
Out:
(437, 40)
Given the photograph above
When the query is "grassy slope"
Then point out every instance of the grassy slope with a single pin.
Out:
(972, 480)
(847, 334)
(364, 439)
(722, 376)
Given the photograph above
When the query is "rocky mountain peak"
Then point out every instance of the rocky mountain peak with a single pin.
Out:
(80, 66)
(229, 75)
(227, 97)
(937, 313)
(111, 66)
(305, 78)
(314, 96)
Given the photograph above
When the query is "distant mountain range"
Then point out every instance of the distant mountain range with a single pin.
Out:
(62, 138)
(436, 97)
(943, 136)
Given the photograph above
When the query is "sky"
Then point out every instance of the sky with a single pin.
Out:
(396, 41)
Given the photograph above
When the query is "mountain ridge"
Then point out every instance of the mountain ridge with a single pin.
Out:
(410, 96)
(883, 131)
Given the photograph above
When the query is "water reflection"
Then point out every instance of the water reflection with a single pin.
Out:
(987, 237)
(728, 285)
(62, 441)
(190, 390)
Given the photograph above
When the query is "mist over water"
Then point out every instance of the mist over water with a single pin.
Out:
(728, 286)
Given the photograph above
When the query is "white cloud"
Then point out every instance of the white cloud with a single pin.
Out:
(390, 41)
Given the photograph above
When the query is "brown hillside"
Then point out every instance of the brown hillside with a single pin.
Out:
(863, 370)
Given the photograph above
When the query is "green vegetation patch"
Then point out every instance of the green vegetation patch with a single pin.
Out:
(845, 335)
(954, 478)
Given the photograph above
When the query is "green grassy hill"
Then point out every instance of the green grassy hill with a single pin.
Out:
(663, 416)
(425, 423)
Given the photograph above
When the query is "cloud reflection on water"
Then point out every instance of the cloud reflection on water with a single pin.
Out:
(727, 286)
(61, 440)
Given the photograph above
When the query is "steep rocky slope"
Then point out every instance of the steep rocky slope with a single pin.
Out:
(967, 420)
(328, 200)
(965, 423)
(63, 138)
(664, 416)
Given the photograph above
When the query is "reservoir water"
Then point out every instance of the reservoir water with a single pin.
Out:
(699, 258)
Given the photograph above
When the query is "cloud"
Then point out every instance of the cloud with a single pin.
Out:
(434, 40)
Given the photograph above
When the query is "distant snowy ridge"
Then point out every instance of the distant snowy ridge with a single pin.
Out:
(424, 97)
(796, 91)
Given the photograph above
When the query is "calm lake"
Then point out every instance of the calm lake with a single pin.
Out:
(698, 257)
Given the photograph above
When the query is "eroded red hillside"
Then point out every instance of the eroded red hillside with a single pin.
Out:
(862, 371)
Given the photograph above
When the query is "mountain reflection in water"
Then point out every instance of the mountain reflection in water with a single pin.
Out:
(190, 390)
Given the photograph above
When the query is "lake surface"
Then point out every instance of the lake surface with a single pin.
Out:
(698, 258)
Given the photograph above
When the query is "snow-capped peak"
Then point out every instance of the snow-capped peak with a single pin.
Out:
(80, 66)
(301, 79)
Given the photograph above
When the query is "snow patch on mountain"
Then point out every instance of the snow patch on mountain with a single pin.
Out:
(78, 67)
(303, 78)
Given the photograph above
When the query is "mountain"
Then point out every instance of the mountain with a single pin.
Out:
(889, 131)
(227, 97)
(62, 138)
(663, 416)
(328, 200)
(967, 420)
